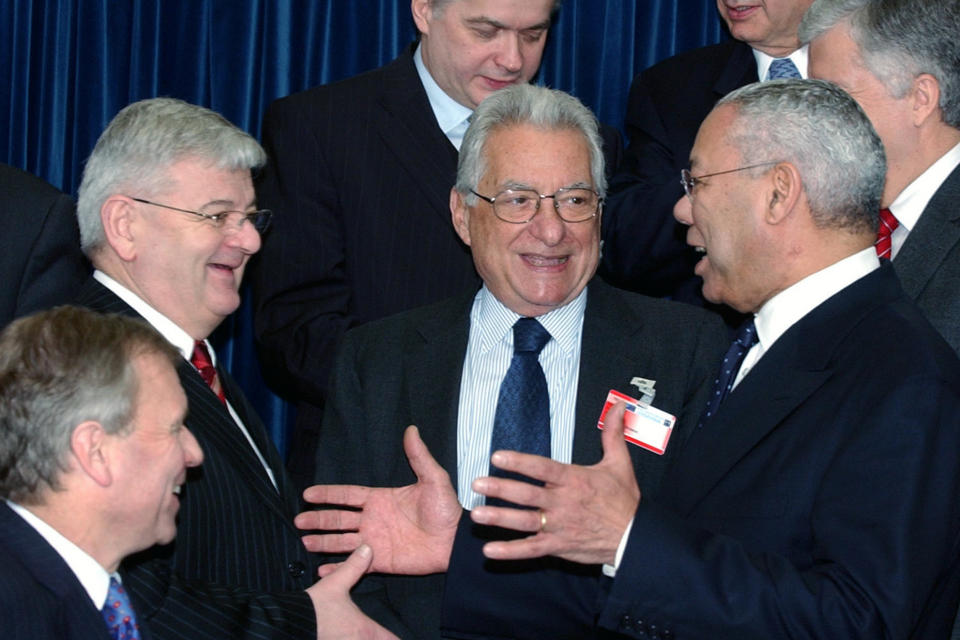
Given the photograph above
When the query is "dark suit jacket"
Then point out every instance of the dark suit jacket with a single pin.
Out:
(821, 499)
(406, 370)
(359, 177)
(644, 248)
(928, 264)
(40, 258)
(40, 596)
(234, 528)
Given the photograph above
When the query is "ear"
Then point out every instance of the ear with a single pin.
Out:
(422, 14)
(118, 215)
(460, 215)
(88, 445)
(786, 188)
(925, 97)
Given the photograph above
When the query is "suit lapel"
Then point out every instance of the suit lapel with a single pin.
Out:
(441, 347)
(929, 243)
(783, 379)
(740, 70)
(409, 129)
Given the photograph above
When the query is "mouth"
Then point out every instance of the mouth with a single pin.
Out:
(495, 83)
(545, 262)
(740, 12)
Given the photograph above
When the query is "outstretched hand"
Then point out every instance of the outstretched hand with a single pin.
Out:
(410, 529)
(581, 512)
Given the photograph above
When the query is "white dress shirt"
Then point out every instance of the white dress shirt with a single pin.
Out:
(488, 356)
(450, 114)
(94, 578)
(911, 202)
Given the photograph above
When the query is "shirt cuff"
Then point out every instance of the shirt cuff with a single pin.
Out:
(610, 570)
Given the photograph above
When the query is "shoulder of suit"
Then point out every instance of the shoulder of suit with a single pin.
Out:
(708, 60)
(338, 94)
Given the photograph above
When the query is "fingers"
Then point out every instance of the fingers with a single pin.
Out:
(536, 467)
(350, 570)
(328, 520)
(344, 495)
(531, 547)
(332, 542)
(508, 518)
(422, 463)
(326, 569)
(514, 491)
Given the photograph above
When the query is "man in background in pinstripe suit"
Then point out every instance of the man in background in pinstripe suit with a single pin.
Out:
(167, 216)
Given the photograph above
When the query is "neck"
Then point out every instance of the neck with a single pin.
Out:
(74, 522)
(932, 144)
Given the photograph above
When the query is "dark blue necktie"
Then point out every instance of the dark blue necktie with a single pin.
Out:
(522, 420)
(746, 338)
(118, 614)
(782, 68)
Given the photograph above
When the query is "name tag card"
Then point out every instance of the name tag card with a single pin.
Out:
(644, 425)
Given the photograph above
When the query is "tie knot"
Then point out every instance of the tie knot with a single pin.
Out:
(201, 357)
(747, 335)
(888, 222)
(782, 68)
(529, 336)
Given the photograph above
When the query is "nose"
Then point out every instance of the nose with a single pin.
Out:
(683, 211)
(547, 226)
(245, 237)
(192, 453)
(510, 56)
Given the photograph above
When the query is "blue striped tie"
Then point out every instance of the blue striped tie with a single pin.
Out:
(782, 68)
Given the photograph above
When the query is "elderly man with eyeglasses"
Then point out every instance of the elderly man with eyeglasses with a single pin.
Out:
(168, 218)
(528, 202)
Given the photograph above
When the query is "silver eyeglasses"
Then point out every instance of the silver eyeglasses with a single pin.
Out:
(223, 220)
(518, 206)
(690, 181)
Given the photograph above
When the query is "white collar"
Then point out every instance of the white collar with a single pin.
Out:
(911, 202)
(799, 57)
(448, 112)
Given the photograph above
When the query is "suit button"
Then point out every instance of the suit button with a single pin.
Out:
(666, 634)
(296, 569)
(626, 623)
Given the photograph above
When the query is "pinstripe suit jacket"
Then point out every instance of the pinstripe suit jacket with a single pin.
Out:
(40, 596)
(234, 530)
(406, 370)
(928, 264)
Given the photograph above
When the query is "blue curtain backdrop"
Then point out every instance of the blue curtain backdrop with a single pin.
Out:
(70, 65)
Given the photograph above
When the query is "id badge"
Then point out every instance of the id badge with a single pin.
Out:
(644, 425)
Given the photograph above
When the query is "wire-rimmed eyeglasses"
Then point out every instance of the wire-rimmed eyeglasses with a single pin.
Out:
(223, 220)
(518, 206)
(690, 181)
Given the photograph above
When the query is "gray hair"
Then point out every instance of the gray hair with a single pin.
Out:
(898, 40)
(142, 142)
(439, 5)
(58, 369)
(822, 131)
(526, 104)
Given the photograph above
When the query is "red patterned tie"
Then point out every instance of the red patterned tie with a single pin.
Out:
(201, 360)
(887, 224)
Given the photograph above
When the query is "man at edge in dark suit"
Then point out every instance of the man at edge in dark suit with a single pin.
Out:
(93, 454)
(644, 248)
(168, 218)
(527, 201)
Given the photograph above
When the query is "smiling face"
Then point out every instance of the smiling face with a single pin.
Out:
(151, 458)
(767, 25)
(534, 267)
(474, 47)
(725, 220)
(184, 265)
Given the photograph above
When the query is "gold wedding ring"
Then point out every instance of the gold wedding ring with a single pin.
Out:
(543, 520)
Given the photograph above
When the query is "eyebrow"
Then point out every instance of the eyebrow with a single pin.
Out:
(485, 21)
(227, 205)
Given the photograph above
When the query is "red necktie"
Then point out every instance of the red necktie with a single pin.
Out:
(201, 360)
(887, 224)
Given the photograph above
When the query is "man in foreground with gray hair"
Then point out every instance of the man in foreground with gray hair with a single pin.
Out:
(816, 497)
(93, 454)
(168, 218)
(542, 340)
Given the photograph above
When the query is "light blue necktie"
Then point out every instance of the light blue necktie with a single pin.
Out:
(118, 614)
(782, 68)
(522, 419)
